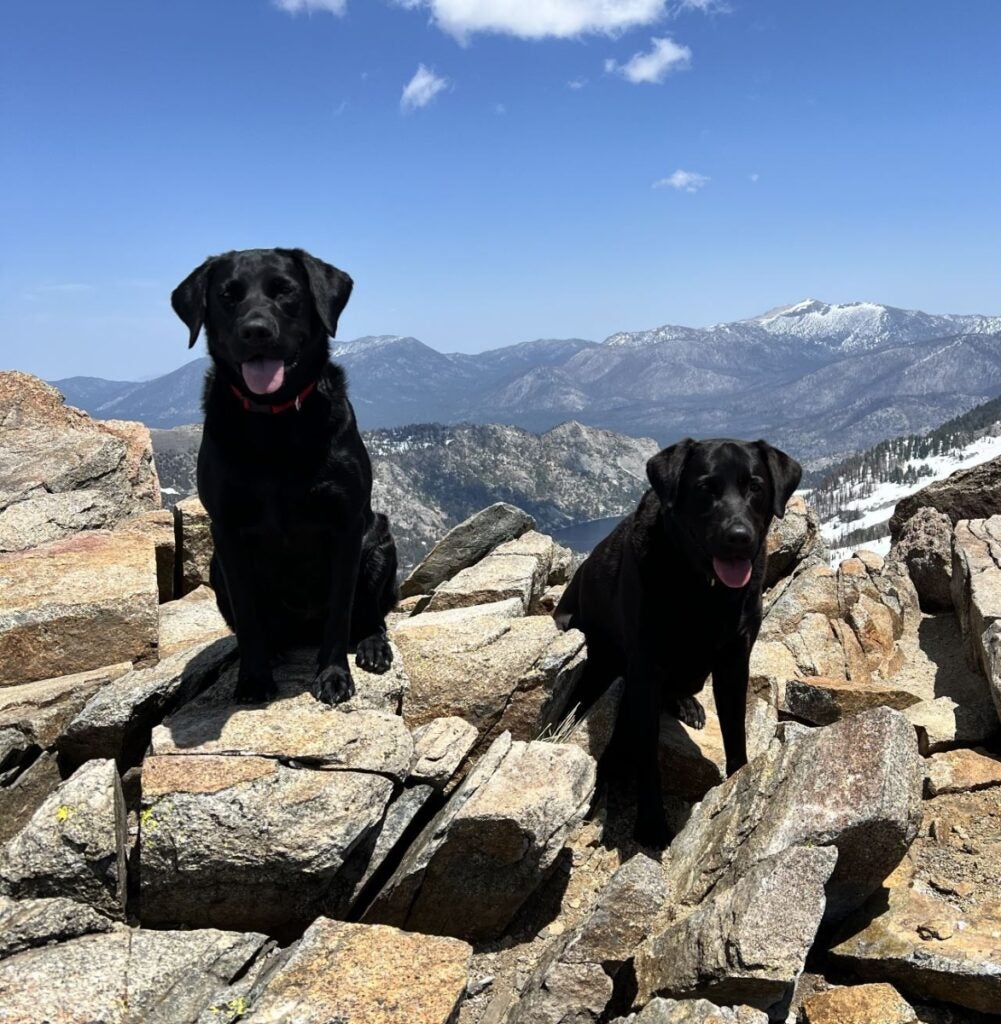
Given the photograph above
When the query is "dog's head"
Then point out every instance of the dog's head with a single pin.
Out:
(267, 315)
(722, 495)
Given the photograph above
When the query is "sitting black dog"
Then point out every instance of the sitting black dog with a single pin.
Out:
(300, 558)
(674, 594)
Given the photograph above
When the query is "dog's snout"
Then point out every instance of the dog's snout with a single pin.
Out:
(257, 330)
(738, 535)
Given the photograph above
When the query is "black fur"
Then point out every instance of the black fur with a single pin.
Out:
(654, 611)
(300, 558)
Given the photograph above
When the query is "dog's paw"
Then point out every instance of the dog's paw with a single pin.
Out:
(691, 712)
(333, 685)
(254, 688)
(374, 654)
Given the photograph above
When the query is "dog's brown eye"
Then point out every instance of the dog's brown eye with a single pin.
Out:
(757, 485)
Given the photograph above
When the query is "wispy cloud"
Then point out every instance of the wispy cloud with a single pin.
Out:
(755, 178)
(298, 6)
(703, 6)
(539, 19)
(577, 83)
(422, 88)
(683, 181)
(654, 66)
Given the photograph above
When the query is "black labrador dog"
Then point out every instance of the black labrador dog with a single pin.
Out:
(674, 594)
(300, 558)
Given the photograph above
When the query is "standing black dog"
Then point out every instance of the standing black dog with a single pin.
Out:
(300, 558)
(674, 594)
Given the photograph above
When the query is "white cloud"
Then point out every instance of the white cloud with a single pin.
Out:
(665, 56)
(755, 178)
(704, 6)
(297, 6)
(500, 109)
(577, 83)
(422, 88)
(683, 181)
(539, 19)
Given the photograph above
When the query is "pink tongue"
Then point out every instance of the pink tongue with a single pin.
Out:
(263, 376)
(732, 572)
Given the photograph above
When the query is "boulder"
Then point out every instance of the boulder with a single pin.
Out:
(489, 848)
(693, 1011)
(976, 582)
(792, 540)
(465, 544)
(157, 977)
(495, 673)
(25, 924)
(245, 841)
(116, 722)
(973, 493)
(194, 544)
(746, 944)
(190, 620)
(517, 568)
(855, 785)
(158, 526)
(62, 472)
(924, 545)
(77, 604)
(365, 974)
(959, 771)
(860, 1004)
(74, 844)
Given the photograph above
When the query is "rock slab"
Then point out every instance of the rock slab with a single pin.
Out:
(746, 944)
(77, 604)
(365, 974)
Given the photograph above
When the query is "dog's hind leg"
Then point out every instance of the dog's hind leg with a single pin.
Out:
(375, 596)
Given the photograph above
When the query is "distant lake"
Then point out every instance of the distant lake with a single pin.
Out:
(584, 536)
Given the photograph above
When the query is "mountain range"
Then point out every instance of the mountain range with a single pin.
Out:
(856, 498)
(818, 379)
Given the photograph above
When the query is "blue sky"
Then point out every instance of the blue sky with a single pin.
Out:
(534, 180)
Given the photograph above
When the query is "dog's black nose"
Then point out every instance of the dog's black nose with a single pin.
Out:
(737, 536)
(256, 330)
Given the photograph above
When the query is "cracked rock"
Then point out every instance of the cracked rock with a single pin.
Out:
(746, 944)
(487, 851)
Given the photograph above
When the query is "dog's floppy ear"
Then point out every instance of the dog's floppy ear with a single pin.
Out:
(665, 468)
(331, 288)
(189, 298)
(785, 472)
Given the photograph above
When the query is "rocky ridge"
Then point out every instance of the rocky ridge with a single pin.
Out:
(436, 850)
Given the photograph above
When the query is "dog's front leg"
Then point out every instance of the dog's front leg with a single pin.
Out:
(255, 682)
(730, 674)
(643, 718)
(333, 683)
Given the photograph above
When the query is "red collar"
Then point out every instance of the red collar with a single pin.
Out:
(294, 403)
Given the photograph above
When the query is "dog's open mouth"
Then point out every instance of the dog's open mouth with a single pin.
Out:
(263, 376)
(732, 572)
